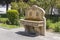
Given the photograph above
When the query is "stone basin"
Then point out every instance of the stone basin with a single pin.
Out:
(32, 23)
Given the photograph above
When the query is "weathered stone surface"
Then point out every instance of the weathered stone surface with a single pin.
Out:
(34, 21)
(34, 13)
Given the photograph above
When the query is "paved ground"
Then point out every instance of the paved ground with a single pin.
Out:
(19, 34)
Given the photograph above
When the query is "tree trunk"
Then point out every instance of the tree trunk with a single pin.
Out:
(51, 10)
(7, 6)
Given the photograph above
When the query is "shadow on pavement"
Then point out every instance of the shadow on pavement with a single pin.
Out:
(26, 34)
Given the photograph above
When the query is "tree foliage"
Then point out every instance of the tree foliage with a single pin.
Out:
(14, 5)
(58, 4)
(45, 4)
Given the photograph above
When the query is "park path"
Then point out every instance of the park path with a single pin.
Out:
(19, 34)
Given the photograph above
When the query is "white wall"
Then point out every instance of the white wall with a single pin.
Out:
(54, 12)
(3, 9)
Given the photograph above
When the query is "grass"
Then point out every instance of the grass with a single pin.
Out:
(3, 20)
(8, 26)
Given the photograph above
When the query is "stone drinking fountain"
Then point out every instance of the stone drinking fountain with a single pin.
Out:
(35, 21)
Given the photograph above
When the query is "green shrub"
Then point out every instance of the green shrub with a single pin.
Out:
(53, 22)
(52, 26)
(48, 23)
(57, 27)
(13, 16)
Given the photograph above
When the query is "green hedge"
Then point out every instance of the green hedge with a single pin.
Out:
(53, 22)
(13, 16)
(57, 27)
(3, 15)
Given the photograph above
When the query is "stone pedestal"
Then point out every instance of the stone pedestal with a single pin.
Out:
(38, 27)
